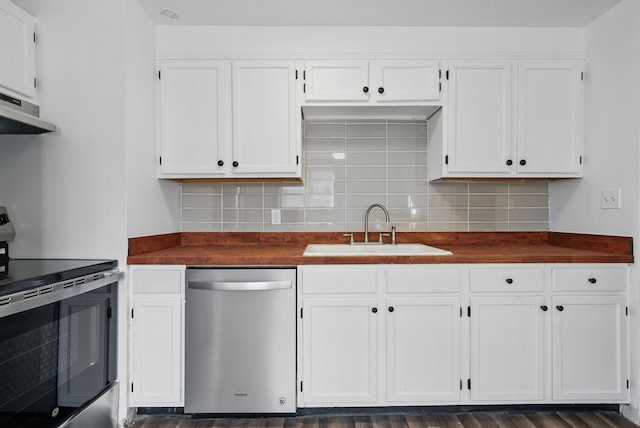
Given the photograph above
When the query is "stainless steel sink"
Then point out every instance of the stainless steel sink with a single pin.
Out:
(374, 250)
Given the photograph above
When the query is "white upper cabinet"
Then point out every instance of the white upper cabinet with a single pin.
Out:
(266, 125)
(550, 117)
(361, 81)
(220, 119)
(194, 124)
(18, 71)
(511, 119)
(480, 108)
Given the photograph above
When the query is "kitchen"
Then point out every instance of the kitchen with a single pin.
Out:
(87, 188)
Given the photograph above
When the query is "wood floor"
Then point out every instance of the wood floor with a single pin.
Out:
(562, 419)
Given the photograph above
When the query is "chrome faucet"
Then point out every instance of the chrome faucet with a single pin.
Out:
(366, 219)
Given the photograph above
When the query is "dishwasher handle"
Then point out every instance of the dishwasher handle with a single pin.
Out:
(240, 285)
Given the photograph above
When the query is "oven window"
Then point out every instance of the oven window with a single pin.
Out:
(56, 358)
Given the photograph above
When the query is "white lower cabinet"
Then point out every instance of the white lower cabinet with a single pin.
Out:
(402, 335)
(507, 348)
(157, 336)
(366, 340)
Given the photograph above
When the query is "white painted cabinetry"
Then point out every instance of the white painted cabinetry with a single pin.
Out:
(18, 51)
(511, 119)
(157, 336)
(380, 81)
(590, 359)
(221, 119)
(508, 318)
(379, 336)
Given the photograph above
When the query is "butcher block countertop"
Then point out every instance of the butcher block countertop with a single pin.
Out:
(286, 248)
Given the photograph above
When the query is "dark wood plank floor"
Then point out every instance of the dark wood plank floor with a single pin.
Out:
(563, 419)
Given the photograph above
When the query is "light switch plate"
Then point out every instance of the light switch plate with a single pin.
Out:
(275, 216)
(610, 199)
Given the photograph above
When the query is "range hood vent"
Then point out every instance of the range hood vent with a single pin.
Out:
(21, 117)
(414, 113)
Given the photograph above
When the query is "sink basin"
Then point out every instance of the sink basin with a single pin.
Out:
(373, 250)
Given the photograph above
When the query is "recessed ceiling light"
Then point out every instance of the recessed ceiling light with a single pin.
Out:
(169, 14)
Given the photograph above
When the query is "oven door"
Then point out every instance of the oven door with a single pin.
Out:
(56, 358)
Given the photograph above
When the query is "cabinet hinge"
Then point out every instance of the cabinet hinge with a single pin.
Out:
(469, 311)
(131, 386)
(108, 312)
(446, 159)
(469, 384)
(301, 313)
(447, 75)
(300, 386)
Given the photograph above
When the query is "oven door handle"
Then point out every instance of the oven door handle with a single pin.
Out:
(239, 285)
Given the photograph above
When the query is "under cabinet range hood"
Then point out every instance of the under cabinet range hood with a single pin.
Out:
(21, 117)
(368, 112)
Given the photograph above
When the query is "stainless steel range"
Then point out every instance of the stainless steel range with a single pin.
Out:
(57, 342)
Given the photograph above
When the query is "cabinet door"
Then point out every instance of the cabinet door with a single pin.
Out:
(589, 348)
(507, 348)
(550, 117)
(193, 118)
(265, 138)
(157, 348)
(406, 81)
(341, 80)
(480, 117)
(423, 349)
(339, 350)
(18, 71)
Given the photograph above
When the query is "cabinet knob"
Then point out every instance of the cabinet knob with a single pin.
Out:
(365, 89)
(235, 164)
(391, 309)
(560, 308)
(523, 162)
(220, 163)
(374, 310)
(593, 280)
(509, 281)
(509, 162)
(381, 90)
(544, 308)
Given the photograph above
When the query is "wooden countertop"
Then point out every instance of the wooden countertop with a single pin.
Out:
(286, 249)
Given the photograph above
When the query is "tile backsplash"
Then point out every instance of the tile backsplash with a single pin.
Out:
(349, 165)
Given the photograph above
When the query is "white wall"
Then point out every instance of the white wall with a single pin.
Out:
(358, 41)
(612, 149)
(152, 204)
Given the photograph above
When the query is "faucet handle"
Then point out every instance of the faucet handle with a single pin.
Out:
(393, 234)
(351, 237)
(380, 240)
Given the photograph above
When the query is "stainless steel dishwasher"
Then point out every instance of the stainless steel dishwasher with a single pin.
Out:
(240, 341)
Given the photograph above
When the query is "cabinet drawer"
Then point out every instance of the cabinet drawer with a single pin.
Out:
(589, 279)
(338, 281)
(427, 280)
(157, 280)
(508, 280)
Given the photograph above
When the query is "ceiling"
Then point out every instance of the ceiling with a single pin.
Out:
(432, 13)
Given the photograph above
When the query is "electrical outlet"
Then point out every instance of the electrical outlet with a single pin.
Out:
(610, 199)
(275, 216)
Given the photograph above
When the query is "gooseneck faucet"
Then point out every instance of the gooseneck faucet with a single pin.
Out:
(366, 219)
